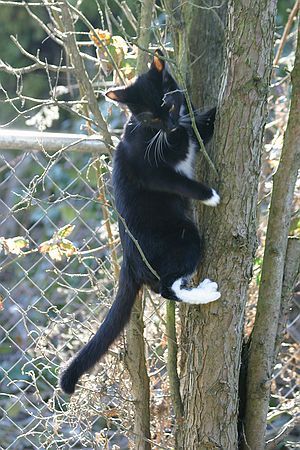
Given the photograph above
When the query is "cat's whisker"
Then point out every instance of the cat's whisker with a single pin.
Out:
(148, 148)
(161, 146)
(156, 155)
(185, 122)
(185, 117)
(137, 125)
(166, 140)
(195, 111)
(156, 158)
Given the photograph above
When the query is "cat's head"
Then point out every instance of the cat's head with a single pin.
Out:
(154, 98)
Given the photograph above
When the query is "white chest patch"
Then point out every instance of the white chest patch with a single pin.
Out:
(186, 167)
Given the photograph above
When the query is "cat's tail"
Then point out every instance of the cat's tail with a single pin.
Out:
(110, 329)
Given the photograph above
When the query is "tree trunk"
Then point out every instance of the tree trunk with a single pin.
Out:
(263, 338)
(198, 33)
(212, 334)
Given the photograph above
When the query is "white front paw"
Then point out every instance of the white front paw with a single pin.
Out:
(214, 200)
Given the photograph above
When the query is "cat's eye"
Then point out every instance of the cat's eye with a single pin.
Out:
(172, 108)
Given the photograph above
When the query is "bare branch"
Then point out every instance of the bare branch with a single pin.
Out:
(287, 28)
(129, 15)
(92, 29)
(81, 74)
(42, 65)
(284, 432)
(24, 4)
(263, 339)
(44, 27)
(291, 273)
(172, 363)
(19, 71)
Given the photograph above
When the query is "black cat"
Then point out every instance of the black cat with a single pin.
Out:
(153, 180)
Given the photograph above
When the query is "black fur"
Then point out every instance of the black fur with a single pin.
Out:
(151, 195)
(113, 324)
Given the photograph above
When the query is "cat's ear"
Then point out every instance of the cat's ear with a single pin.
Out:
(117, 95)
(158, 64)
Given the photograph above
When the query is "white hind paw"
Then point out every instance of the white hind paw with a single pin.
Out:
(208, 284)
(214, 200)
(206, 292)
(208, 297)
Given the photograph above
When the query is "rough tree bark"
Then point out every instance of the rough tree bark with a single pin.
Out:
(192, 50)
(263, 337)
(212, 334)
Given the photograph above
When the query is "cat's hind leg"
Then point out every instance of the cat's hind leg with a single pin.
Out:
(179, 259)
(205, 292)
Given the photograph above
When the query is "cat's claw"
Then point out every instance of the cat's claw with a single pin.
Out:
(214, 200)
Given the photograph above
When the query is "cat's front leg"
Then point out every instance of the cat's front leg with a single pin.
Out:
(214, 200)
(164, 179)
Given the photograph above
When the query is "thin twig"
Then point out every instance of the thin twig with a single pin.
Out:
(44, 27)
(93, 31)
(287, 28)
(51, 67)
(136, 243)
(284, 432)
(172, 362)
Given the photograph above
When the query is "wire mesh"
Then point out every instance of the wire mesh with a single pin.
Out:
(52, 301)
(284, 411)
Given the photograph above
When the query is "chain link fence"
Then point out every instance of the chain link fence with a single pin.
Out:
(284, 412)
(59, 258)
(53, 300)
